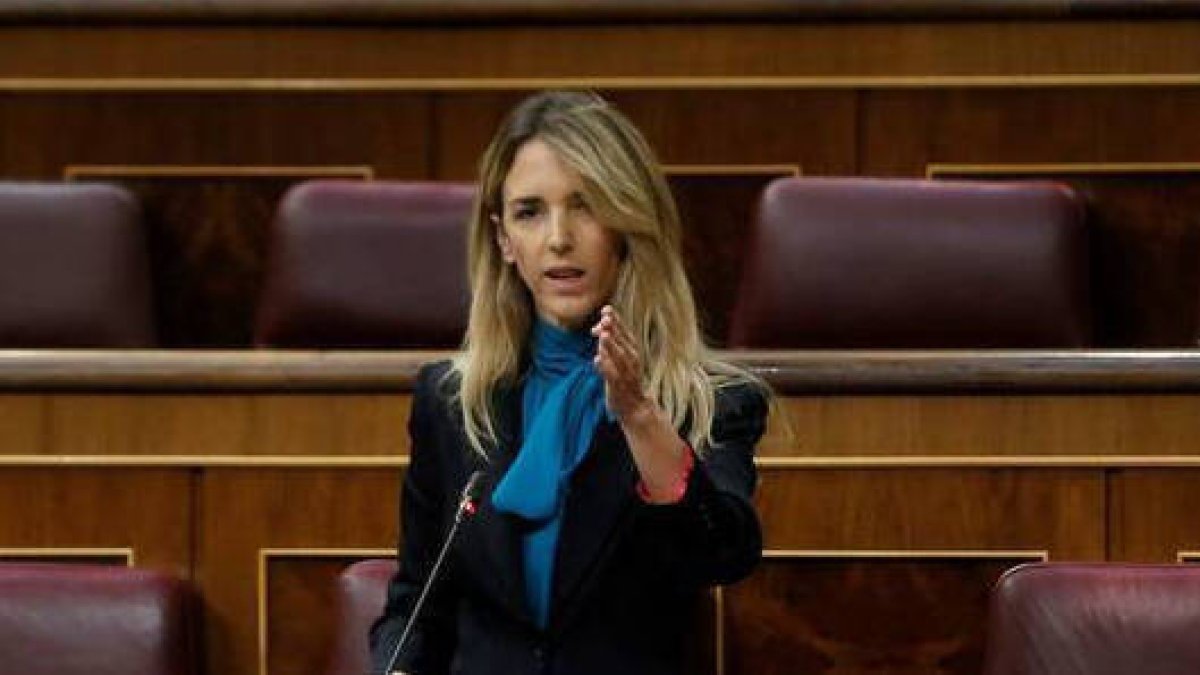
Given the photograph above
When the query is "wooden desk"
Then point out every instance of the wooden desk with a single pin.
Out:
(907, 482)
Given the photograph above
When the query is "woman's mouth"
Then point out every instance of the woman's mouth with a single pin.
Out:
(565, 278)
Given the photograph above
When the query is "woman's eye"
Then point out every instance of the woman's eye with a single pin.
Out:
(581, 206)
(524, 213)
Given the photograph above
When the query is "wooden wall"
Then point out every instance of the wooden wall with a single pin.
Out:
(889, 510)
(210, 122)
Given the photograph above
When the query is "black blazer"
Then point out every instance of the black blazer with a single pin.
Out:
(627, 574)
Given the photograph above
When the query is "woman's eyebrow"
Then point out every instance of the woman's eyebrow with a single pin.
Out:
(525, 201)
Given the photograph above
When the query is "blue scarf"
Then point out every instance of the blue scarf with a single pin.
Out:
(562, 404)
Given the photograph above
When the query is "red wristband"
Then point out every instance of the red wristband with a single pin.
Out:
(678, 488)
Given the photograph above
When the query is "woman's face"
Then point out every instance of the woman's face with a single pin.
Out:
(567, 258)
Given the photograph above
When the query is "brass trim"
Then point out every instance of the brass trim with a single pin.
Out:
(934, 170)
(980, 461)
(763, 463)
(126, 552)
(264, 556)
(88, 171)
(793, 170)
(917, 554)
(669, 82)
(215, 461)
(1187, 556)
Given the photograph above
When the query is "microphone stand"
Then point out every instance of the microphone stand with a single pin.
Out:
(466, 507)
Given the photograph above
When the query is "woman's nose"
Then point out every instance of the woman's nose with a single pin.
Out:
(559, 234)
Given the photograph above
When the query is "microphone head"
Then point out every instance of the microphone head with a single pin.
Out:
(469, 503)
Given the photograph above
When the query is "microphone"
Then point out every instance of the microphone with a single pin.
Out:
(468, 504)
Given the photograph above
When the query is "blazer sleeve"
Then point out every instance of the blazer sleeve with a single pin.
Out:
(423, 524)
(712, 535)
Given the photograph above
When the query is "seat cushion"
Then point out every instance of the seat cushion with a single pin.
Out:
(73, 266)
(367, 265)
(859, 262)
(1095, 619)
(92, 620)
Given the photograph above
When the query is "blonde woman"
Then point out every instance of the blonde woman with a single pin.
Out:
(616, 454)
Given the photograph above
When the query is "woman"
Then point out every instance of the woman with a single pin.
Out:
(616, 453)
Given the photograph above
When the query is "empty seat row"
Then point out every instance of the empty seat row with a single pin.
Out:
(831, 262)
(1046, 619)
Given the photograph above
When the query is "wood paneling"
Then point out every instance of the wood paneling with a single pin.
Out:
(1154, 514)
(689, 49)
(221, 128)
(1056, 510)
(300, 605)
(722, 127)
(22, 424)
(245, 511)
(248, 425)
(903, 132)
(914, 616)
(985, 425)
(146, 510)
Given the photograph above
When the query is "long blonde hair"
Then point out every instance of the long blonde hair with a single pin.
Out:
(626, 187)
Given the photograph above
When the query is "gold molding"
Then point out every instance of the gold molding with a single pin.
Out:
(1038, 555)
(126, 552)
(1187, 556)
(934, 170)
(763, 463)
(980, 461)
(793, 170)
(202, 461)
(90, 171)
(264, 559)
(667, 82)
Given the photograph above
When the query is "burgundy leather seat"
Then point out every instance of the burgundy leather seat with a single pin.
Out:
(361, 593)
(367, 265)
(92, 620)
(887, 263)
(1095, 619)
(73, 267)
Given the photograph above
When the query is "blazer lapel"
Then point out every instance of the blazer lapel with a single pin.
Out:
(600, 495)
(492, 540)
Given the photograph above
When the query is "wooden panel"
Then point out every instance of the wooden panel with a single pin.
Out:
(689, 49)
(50, 131)
(812, 129)
(914, 616)
(301, 610)
(1154, 514)
(1094, 425)
(145, 510)
(244, 511)
(245, 425)
(22, 424)
(904, 131)
(1057, 510)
